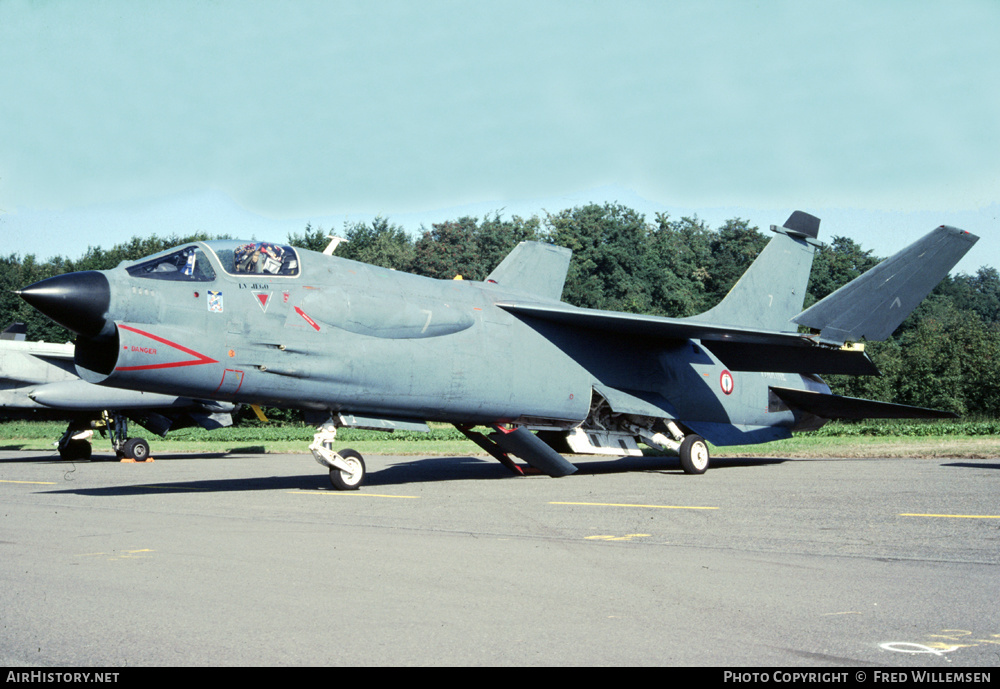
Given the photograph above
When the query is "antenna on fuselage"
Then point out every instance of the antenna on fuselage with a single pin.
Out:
(332, 246)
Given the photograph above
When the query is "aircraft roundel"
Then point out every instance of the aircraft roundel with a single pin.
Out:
(726, 382)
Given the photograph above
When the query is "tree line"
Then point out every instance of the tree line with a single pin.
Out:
(946, 355)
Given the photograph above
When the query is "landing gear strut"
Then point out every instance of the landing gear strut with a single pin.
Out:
(347, 468)
(127, 449)
(74, 445)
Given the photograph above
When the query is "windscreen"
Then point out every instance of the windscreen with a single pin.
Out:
(187, 264)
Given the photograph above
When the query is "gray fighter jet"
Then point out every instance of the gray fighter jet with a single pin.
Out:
(361, 346)
(38, 381)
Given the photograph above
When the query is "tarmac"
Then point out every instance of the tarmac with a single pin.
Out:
(237, 560)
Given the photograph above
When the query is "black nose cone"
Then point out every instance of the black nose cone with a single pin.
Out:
(78, 301)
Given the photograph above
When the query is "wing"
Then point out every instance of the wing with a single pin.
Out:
(740, 349)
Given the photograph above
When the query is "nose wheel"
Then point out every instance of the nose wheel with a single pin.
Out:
(347, 468)
(351, 478)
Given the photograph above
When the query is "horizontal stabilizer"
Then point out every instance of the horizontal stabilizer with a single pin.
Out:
(830, 406)
(533, 267)
(873, 305)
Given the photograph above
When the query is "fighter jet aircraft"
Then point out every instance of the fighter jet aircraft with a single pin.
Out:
(37, 381)
(367, 347)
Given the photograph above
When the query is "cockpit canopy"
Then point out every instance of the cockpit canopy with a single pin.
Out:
(257, 258)
(188, 264)
(235, 257)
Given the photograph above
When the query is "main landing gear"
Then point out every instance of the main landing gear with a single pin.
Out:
(127, 449)
(347, 468)
(74, 445)
(694, 454)
(692, 448)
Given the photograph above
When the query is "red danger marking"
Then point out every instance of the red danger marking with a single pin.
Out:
(726, 382)
(197, 361)
(306, 316)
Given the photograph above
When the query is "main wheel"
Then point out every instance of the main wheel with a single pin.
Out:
(694, 454)
(349, 480)
(137, 449)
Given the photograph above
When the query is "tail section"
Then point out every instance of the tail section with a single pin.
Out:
(873, 305)
(533, 267)
(772, 290)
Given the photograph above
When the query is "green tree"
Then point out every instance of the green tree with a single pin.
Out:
(610, 268)
(449, 249)
(378, 243)
(681, 252)
(313, 239)
(734, 247)
(834, 265)
(469, 248)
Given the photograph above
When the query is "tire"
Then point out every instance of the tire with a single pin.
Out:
(343, 480)
(137, 449)
(694, 455)
(75, 450)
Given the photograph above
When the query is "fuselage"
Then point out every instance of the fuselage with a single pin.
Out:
(295, 328)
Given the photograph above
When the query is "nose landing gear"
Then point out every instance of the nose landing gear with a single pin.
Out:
(347, 468)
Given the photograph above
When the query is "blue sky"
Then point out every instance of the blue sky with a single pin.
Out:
(254, 118)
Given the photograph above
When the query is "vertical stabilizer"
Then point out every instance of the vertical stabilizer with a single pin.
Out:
(773, 289)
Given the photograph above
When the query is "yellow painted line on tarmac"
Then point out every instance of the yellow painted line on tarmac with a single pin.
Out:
(955, 516)
(38, 483)
(616, 504)
(351, 492)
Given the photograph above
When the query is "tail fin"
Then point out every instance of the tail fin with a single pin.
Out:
(772, 290)
(873, 305)
(533, 267)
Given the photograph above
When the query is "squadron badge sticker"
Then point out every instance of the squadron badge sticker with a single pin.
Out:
(215, 300)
